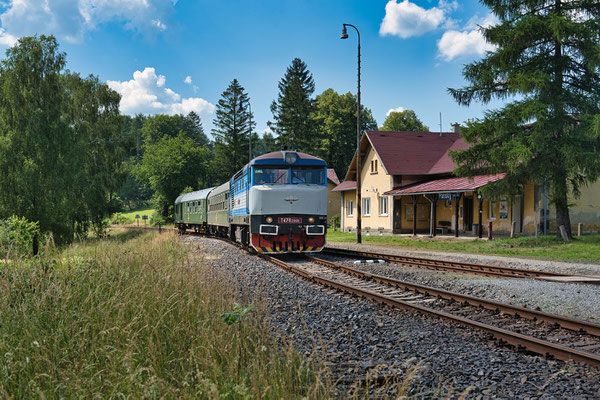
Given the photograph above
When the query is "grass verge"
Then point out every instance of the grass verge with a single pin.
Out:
(130, 316)
(584, 248)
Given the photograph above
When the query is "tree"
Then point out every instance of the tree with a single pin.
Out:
(161, 125)
(547, 60)
(60, 141)
(403, 121)
(232, 129)
(292, 110)
(170, 164)
(335, 119)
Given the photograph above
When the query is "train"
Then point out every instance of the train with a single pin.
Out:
(277, 203)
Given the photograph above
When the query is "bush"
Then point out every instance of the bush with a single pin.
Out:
(335, 222)
(118, 219)
(156, 219)
(17, 236)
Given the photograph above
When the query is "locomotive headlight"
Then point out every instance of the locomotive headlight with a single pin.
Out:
(291, 158)
(311, 220)
(269, 220)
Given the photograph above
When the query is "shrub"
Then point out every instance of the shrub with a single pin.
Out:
(17, 236)
(118, 219)
(335, 222)
(156, 219)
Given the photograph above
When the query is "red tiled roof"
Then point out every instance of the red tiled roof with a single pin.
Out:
(346, 185)
(332, 176)
(416, 153)
(447, 185)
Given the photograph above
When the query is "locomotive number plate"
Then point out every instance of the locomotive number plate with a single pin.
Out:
(289, 220)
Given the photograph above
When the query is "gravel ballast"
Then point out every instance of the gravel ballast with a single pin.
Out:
(355, 335)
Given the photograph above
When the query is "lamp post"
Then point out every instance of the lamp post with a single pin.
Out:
(358, 197)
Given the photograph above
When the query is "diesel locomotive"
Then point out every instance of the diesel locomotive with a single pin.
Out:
(277, 203)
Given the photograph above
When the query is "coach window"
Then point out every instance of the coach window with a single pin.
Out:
(315, 176)
(278, 176)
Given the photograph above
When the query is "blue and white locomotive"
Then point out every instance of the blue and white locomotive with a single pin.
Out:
(277, 203)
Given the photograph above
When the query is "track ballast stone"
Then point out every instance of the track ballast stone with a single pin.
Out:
(355, 335)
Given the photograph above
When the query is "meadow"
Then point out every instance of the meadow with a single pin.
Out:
(133, 316)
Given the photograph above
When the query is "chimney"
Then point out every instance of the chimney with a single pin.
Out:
(456, 127)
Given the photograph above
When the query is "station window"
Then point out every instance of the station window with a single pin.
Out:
(366, 203)
(374, 166)
(383, 206)
(350, 208)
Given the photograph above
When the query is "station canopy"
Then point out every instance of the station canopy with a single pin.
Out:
(445, 186)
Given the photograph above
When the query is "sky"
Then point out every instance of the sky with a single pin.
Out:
(177, 56)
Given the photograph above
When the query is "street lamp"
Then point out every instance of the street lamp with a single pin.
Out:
(358, 199)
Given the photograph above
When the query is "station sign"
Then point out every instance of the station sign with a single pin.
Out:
(449, 196)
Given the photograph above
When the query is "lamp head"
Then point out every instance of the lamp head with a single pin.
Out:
(344, 33)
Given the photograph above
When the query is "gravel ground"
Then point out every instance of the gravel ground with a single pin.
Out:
(515, 262)
(355, 335)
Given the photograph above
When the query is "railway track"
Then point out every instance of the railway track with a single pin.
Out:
(545, 334)
(467, 268)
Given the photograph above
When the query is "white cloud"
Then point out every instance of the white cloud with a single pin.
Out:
(188, 80)
(397, 109)
(146, 93)
(7, 39)
(470, 41)
(71, 19)
(407, 19)
(268, 130)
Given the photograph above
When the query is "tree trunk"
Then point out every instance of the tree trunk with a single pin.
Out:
(561, 203)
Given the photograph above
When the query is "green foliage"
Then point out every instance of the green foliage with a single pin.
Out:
(335, 222)
(235, 317)
(17, 236)
(292, 110)
(119, 219)
(60, 141)
(233, 124)
(547, 62)
(157, 219)
(334, 117)
(169, 164)
(402, 121)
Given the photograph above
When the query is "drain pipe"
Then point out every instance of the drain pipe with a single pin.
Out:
(431, 227)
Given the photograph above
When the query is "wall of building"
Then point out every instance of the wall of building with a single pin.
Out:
(348, 222)
(333, 201)
(374, 184)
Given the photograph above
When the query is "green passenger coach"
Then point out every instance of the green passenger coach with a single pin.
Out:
(191, 208)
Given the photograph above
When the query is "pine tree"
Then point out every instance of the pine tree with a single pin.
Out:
(547, 62)
(292, 110)
(232, 128)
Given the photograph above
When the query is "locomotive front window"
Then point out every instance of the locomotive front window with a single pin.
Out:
(315, 176)
(279, 176)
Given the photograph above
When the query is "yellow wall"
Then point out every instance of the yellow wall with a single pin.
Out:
(374, 184)
(348, 222)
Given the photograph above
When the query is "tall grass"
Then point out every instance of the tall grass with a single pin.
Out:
(132, 317)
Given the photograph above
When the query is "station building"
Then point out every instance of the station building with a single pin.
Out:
(407, 186)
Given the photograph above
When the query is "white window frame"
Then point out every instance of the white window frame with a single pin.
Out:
(383, 210)
(366, 206)
(492, 210)
(350, 208)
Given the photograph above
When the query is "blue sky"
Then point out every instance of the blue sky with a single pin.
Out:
(176, 56)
